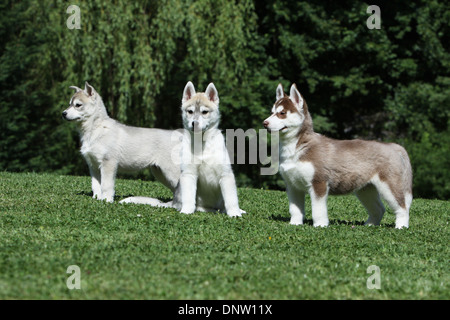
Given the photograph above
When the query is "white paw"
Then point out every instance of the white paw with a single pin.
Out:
(402, 221)
(321, 223)
(109, 199)
(296, 221)
(187, 210)
(235, 213)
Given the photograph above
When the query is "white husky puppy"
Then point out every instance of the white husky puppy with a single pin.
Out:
(109, 146)
(314, 164)
(207, 181)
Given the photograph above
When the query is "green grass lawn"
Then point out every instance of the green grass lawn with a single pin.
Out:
(49, 222)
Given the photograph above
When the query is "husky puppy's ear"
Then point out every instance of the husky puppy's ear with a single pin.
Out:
(90, 91)
(212, 94)
(280, 92)
(296, 97)
(189, 92)
(75, 88)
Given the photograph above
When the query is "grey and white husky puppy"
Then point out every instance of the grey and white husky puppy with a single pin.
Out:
(207, 181)
(109, 146)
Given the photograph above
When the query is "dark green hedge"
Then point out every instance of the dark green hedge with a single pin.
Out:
(391, 84)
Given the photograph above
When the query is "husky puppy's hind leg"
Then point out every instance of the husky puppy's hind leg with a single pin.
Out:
(395, 186)
(395, 200)
(370, 199)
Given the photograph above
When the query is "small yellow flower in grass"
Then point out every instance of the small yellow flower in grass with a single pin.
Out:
(270, 238)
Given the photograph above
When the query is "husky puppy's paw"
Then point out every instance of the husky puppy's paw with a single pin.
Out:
(322, 224)
(235, 213)
(296, 221)
(187, 210)
(96, 196)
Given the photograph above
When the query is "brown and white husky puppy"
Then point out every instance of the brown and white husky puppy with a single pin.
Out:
(317, 165)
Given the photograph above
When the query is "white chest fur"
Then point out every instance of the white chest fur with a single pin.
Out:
(97, 142)
(207, 165)
(296, 173)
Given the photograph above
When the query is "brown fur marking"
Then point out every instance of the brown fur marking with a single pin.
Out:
(287, 105)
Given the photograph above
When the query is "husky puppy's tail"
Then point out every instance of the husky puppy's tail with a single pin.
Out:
(407, 177)
(149, 201)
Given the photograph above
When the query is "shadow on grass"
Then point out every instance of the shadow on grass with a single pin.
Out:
(84, 193)
(118, 197)
(287, 219)
(333, 222)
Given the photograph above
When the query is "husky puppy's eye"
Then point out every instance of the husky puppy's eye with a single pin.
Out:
(282, 112)
(78, 105)
(190, 111)
(205, 112)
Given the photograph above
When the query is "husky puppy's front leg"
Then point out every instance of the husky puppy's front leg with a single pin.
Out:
(96, 182)
(296, 205)
(319, 205)
(229, 194)
(94, 171)
(108, 170)
(188, 190)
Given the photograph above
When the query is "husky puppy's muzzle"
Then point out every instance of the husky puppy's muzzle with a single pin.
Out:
(266, 126)
(196, 126)
(65, 116)
(71, 115)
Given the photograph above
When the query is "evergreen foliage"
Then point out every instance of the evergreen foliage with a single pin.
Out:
(391, 84)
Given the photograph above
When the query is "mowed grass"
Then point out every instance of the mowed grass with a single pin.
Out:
(50, 222)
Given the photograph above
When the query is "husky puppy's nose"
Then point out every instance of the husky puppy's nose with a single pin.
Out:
(64, 114)
(195, 125)
(265, 123)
